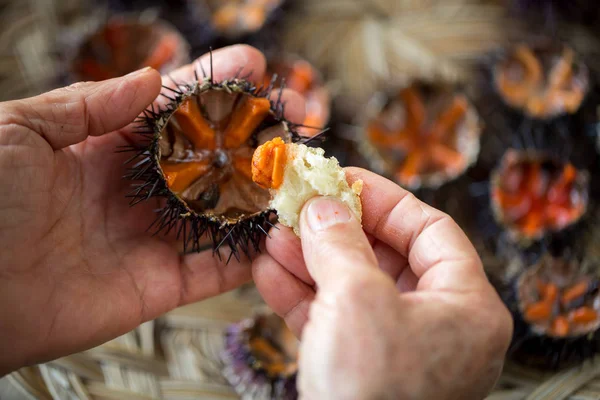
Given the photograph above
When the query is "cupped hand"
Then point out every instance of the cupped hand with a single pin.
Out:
(399, 310)
(77, 267)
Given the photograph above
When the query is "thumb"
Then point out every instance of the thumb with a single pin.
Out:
(69, 115)
(333, 242)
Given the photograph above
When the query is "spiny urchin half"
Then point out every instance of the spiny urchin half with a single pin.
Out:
(195, 153)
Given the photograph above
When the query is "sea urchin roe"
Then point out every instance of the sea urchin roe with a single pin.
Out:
(523, 82)
(206, 152)
(435, 139)
(268, 164)
(533, 195)
(556, 302)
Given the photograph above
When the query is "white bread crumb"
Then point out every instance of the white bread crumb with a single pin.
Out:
(308, 173)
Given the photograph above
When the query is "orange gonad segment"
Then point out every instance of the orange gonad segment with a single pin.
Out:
(541, 311)
(413, 165)
(584, 315)
(162, 53)
(559, 96)
(268, 164)
(538, 96)
(379, 135)
(180, 176)
(574, 292)
(560, 327)
(519, 92)
(447, 120)
(407, 138)
(447, 159)
(194, 125)
(415, 110)
(247, 116)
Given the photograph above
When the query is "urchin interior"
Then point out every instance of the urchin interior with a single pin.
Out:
(544, 82)
(574, 293)
(536, 195)
(206, 149)
(426, 135)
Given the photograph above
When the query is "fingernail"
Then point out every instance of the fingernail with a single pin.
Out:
(324, 212)
(139, 71)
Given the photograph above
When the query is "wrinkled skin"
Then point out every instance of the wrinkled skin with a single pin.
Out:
(402, 312)
(76, 265)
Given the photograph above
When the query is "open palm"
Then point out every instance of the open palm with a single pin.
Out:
(76, 265)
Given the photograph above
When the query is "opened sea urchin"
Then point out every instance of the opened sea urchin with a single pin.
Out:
(197, 156)
(557, 313)
(424, 136)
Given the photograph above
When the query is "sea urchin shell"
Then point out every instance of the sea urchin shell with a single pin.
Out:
(543, 82)
(197, 155)
(261, 358)
(533, 194)
(559, 303)
(425, 136)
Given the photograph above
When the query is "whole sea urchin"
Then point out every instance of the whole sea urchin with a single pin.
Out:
(196, 154)
(260, 359)
(533, 194)
(424, 137)
(543, 82)
(557, 313)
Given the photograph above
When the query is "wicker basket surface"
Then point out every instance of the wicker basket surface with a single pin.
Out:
(177, 357)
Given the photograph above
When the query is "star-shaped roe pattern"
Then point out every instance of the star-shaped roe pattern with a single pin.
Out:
(559, 307)
(522, 83)
(533, 195)
(215, 166)
(429, 147)
(121, 47)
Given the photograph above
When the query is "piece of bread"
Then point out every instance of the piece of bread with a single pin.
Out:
(307, 173)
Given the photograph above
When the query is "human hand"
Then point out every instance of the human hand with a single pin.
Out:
(76, 265)
(402, 312)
